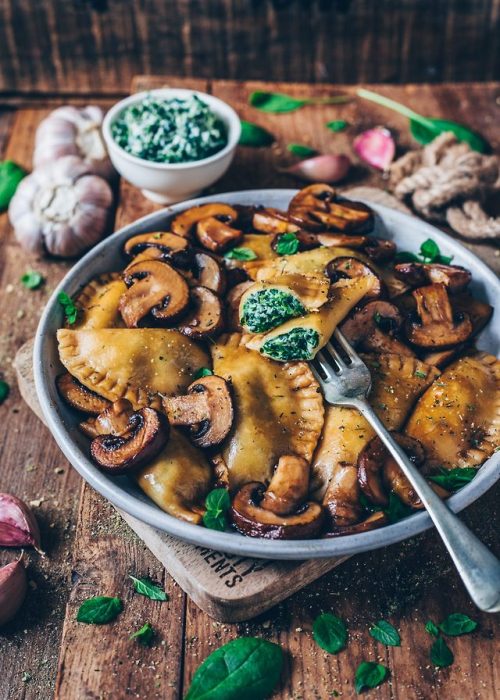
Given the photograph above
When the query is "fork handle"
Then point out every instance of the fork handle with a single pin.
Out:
(477, 566)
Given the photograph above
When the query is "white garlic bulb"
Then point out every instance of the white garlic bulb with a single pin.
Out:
(69, 131)
(61, 208)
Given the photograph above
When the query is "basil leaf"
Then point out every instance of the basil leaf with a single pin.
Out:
(69, 308)
(457, 624)
(397, 510)
(241, 254)
(278, 102)
(429, 253)
(330, 633)
(214, 520)
(4, 391)
(287, 244)
(336, 125)
(429, 250)
(441, 655)
(369, 674)
(202, 372)
(454, 479)
(145, 587)
(99, 610)
(247, 668)
(431, 628)
(144, 636)
(217, 504)
(32, 279)
(254, 135)
(425, 133)
(405, 256)
(302, 151)
(384, 632)
(11, 175)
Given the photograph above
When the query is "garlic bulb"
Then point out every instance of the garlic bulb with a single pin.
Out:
(18, 526)
(61, 208)
(69, 131)
(13, 588)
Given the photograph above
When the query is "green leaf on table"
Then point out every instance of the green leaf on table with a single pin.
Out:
(241, 254)
(369, 675)
(11, 175)
(457, 624)
(69, 308)
(330, 632)
(384, 632)
(287, 244)
(145, 635)
(431, 628)
(397, 510)
(4, 390)
(31, 279)
(247, 668)
(202, 372)
(279, 102)
(336, 125)
(146, 587)
(99, 610)
(217, 503)
(302, 151)
(254, 135)
(454, 479)
(441, 654)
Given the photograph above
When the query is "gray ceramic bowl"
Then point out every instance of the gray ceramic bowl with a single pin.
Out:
(406, 231)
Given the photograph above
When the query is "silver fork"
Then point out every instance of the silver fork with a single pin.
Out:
(348, 384)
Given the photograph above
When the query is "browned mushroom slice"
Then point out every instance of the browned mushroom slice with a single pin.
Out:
(207, 409)
(373, 329)
(478, 311)
(380, 250)
(341, 498)
(233, 299)
(208, 272)
(416, 274)
(349, 268)
(162, 246)
(437, 326)
(185, 223)
(318, 206)
(372, 522)
(133, 440)
(154, 288)
(249, 518)
(216, 235)
(113, 420)
(288, 487)
(206, 318)
(79, 397)
(272, 221)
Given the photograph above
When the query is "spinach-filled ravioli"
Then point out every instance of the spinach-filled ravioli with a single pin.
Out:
(98, 301)
(278, 411)
(265, 306)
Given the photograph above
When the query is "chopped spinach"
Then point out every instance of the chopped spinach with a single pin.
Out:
(268, 308)
(297, 344)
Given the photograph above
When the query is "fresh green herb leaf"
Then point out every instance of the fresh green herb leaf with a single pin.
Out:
(246, 668)
(145, 587)
(330, 633)
(429, 250)
(369, 675)
(441, 655)
(384, 632)
(425, 129)
(254, 135)
(429, 253)
(302, 151)
(99, 610)
(4, 391)
(431, 628)
(11, 175)
(145, 635)
(404, 256)
(69, 308)
(454, 479)
(32, 279)
(241, 254)
(287, 244)
(336, 125)
(278, 102)
(202, 372)
(217, 504)
(397, 510)
(421, 375)
(457, 624)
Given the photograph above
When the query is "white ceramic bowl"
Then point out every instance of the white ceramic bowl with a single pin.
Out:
(167, 183)
(408, 232)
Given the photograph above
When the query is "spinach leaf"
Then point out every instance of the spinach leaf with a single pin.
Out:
(302, 151)
(31, 279)
(247, 668)
(146, 587)
(4, 391)
(431, 628)
(384, 632)
(369, 674)
(278, 102)
(11, 175)
(145, 635)
(69, 308)
(441, 655)
(330, 633)
(217, 504)
(287, 244)
(202, 372)
(457, 624)
(254, 135)
(99, 610)
(336, 125)
(241, 254)
(454, 479)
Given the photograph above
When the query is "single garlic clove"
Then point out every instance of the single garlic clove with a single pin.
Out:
(18, 525)
(13, 588)
(328, 168)
(376, 147)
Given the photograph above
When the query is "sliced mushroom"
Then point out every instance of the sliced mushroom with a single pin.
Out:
(437, 326)
(207, 409)
(154, 288)
(113, 420)
(341, 498)
(185, 223)
(373, 328)
(167, 247)
(307, 241)
(379, 250)
(416, 274)
(372, 522)
(134, 438)
(79, 397)
(233, 299)
(250, 518)
(209, 273)
(216, 235)
(271, 220)
(206, 318)
(288, 487)
(349, 268)
(318, 206)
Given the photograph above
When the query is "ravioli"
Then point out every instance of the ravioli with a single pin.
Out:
(179, 479)
(278, 411)
(457, 420)
(131, 363)
(98, 302)
(312, 291)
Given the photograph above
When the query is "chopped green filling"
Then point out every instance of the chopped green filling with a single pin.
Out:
(269, 308)
(169, 131)
(297, 344)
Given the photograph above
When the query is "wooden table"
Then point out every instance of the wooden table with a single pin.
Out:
(91, 551)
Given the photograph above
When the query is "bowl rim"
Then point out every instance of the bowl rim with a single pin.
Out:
(221, 108)
(234, 543)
